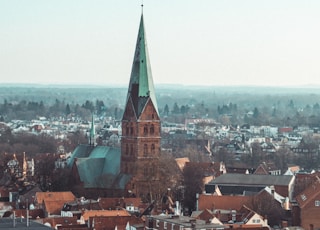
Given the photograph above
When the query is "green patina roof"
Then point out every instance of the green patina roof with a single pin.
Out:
(81, 151)
(141, 82)
(101, 167)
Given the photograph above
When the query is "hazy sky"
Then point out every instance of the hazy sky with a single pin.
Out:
(203, 42)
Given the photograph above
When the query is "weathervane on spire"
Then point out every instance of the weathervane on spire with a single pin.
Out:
(141, 6)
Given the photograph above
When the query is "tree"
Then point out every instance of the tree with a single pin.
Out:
(68, 110)
(265, 205)
(176, 108)
(88, 105)
(44, 168)
(166, 110)
(100, 107)
(193, 184)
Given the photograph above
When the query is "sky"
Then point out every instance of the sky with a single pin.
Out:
(190, 42)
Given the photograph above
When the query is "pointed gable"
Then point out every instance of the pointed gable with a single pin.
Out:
(129, 112)
(141, 82)
(309, 194)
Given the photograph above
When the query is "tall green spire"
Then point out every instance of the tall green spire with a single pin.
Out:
(92, 132)
(141, 86)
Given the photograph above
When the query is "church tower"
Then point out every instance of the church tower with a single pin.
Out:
(140, 142)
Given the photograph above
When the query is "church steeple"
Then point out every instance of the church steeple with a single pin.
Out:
(141, 125)
(141, 86)
(92, 132)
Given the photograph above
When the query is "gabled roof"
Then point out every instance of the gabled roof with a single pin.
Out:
(90, 213)
(141, 86)
(309, 194)
(63, 221)
(212, 202)
(247, 214)
(116, 222)
(112, 203)
(54, 196)
(181, 162)
(54, 207)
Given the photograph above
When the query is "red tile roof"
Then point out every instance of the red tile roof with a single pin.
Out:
(212, 202)
(309, 193)
(91, 213)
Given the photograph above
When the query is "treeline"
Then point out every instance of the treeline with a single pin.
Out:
(280, 113)
(28, 110)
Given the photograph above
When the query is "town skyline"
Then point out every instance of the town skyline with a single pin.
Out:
(207, 43)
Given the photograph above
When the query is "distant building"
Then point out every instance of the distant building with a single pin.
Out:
(241, 184)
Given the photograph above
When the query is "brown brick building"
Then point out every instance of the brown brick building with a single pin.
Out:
(140, 142)
(132, 170)
(309, 204)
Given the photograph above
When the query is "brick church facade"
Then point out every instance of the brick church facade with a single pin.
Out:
(132, 170)
(140, 142)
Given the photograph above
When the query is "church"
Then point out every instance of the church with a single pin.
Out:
(132, 169)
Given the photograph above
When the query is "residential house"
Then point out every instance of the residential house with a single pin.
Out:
(111, 213)
(52, 202)
(58, 222)
(207, 215)
(267, 168)
(115, 222)
(249, 217)
(214, 202)
(309, 203)
(172, 222)
(241, 184)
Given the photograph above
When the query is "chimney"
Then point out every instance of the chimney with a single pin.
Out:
(272, 190)
(197, 201)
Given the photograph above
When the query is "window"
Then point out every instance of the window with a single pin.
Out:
(131, 149)
(152, 129)
(145, 149)
(152, 148)
(317, 203)
(165, 225)
(127, 149)
(303, 197)
(145, 130)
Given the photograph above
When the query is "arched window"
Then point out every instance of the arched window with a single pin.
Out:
(145, 149)
(131, 149)
(127, 129)
(152, 148)
(145, 130)
(152, 129)
(131, 130)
